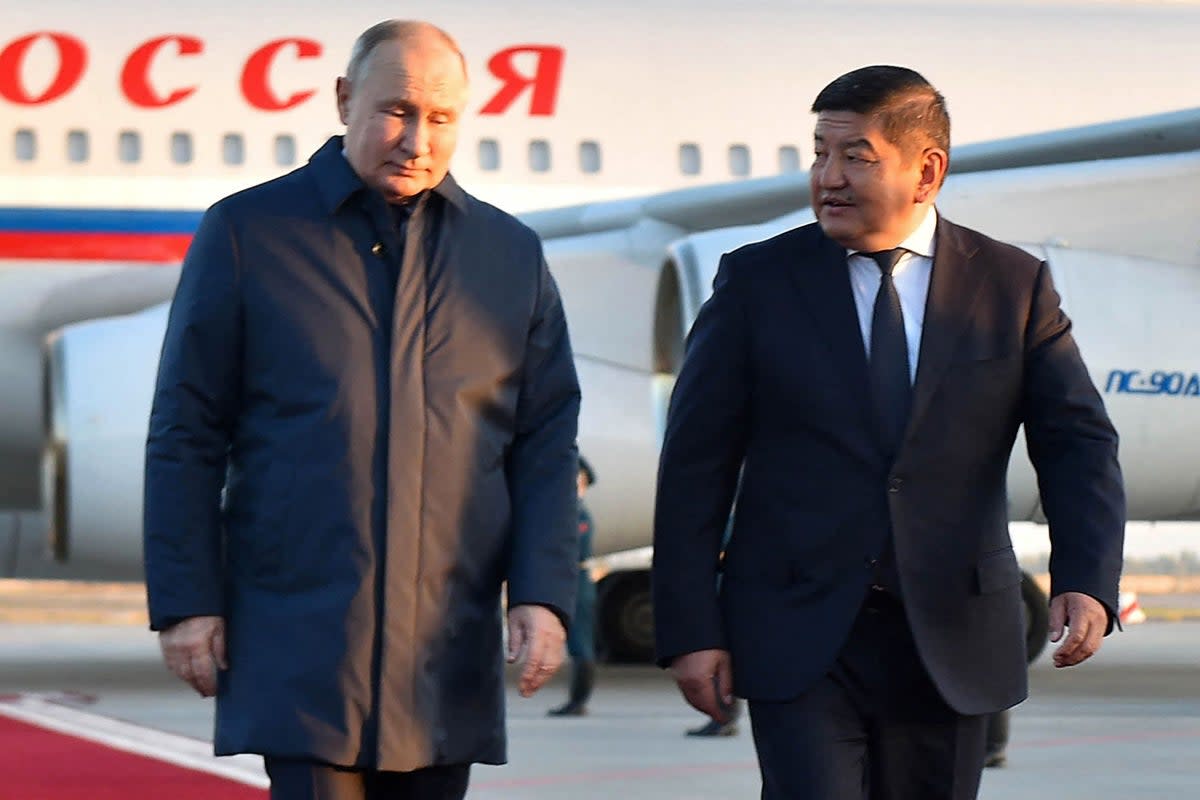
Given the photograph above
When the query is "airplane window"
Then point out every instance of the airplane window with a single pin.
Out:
(285, 150)
(233, 149)
(689, 159)
(589, 157)
(181, 147)
(77, 146)
(129, 147)
(739, 160)
(789, 159)
(25, 145)
(539, 155)
(489, 155)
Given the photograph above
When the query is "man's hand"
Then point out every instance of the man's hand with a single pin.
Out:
(535, 637)
(1087, 620)
(194, 649)
(706, 679)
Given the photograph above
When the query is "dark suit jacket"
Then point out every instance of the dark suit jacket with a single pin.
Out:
(775, 382)
(394, 428)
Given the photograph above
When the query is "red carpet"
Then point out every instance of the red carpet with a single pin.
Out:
(41, 764)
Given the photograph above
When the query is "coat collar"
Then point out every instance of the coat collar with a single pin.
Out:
(337, 181)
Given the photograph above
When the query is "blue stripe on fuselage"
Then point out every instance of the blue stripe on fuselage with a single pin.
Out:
(98, 220)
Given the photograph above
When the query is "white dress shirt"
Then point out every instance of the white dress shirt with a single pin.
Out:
(911, 276)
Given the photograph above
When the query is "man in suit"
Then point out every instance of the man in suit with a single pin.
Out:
(868, 374)
(364, 425)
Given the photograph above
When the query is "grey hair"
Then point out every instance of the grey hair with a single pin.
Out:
(400, 30)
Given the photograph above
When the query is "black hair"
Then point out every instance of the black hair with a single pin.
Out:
(587, 471)
(910, 111)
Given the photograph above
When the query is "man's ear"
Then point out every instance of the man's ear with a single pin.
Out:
(934, 163)
(342, 91)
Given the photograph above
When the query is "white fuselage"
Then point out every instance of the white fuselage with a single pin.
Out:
(120, 128)
(174, 106)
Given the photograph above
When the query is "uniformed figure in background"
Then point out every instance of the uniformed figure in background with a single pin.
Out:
(998, 722)
(581, 639)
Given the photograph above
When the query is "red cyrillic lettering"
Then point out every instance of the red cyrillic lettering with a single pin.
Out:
(72, 59)
(254, 76)
(545, 79)
(135, 76)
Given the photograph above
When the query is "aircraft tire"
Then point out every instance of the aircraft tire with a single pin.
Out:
(625, 617)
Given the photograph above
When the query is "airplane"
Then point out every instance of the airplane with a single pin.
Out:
(125, 130)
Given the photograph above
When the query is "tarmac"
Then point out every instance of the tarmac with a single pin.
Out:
(1125, 725)
(1162, 597)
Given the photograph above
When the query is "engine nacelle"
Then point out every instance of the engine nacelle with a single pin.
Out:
(38, 297)
(99, 385)
(1134, 321)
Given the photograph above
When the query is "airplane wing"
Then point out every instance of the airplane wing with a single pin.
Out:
(757, 200)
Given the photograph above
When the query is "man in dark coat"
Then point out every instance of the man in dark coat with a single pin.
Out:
(364, 425)
(867, 375)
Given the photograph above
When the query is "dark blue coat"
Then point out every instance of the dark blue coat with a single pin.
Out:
(390, 454)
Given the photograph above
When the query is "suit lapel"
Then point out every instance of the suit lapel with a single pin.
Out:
(953, 290)
(824, 283)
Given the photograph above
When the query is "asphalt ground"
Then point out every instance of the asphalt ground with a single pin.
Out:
(1125, 725)
(79, 602)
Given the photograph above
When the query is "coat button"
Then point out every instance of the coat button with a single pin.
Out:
(894, 484)
(377, 249)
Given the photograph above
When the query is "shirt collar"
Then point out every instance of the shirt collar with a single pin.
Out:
(337, 181)
(920, 241)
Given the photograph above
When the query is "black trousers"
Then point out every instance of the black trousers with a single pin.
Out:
(308, 780)
(874, 727)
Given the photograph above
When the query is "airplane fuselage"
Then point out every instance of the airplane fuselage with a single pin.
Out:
(123, 127)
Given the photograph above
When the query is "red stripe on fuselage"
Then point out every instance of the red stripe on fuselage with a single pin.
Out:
(150, 247)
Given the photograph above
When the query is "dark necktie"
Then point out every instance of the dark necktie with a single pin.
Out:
(891, 390)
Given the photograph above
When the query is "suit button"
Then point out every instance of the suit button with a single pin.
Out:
(894, 485)
(377, 249)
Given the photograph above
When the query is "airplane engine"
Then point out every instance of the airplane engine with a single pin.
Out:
(99, 383)
(38, 297)
(1134, 321)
